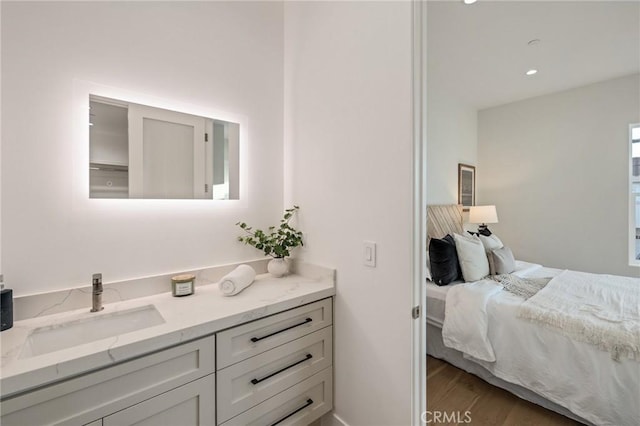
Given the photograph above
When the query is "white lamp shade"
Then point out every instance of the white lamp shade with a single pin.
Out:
(483, 214)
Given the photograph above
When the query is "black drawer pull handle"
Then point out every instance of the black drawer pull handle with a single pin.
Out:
(257, 339)
(308, 403)
(256, 381)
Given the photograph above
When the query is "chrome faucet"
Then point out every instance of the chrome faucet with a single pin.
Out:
(97, 293)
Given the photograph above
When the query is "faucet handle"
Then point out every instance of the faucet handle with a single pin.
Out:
(96, 297)
(97, 283)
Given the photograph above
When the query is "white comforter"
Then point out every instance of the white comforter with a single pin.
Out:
(603, 310)
(483, 323)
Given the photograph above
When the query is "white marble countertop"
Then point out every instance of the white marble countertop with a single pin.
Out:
(186, 318)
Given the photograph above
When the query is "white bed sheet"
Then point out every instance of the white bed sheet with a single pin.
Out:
(437, 295)
(575, 375)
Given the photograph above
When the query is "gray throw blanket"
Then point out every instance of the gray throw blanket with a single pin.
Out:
(523, 287)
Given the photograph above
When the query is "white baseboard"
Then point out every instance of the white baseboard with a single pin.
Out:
(332, 419)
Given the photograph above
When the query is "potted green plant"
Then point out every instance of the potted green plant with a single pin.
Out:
(276, 242)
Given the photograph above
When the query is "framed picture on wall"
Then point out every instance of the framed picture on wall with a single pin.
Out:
(466, 186)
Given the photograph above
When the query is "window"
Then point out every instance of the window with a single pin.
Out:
(634, 196)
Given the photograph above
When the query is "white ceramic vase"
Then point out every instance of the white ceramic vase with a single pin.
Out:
(278, 267)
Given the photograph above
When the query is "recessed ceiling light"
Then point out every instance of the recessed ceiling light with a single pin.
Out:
(469, 1)
(532, 72)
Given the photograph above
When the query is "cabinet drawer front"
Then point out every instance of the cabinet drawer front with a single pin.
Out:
(94, 395)
(189, 405)
(243, 385)
(242, 342)
(299, 405)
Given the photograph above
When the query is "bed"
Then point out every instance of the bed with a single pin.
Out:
(540, 363)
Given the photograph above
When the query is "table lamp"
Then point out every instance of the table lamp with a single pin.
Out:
(483, 215)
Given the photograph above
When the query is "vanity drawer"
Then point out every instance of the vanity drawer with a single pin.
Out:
(187, 405)
(95, 395)
(245, 384)
(299, 405)
(242, 342)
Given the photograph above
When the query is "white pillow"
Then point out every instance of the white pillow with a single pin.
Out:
(472, 257)
(492, 242)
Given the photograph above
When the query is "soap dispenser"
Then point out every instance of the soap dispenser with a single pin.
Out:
(6, 306)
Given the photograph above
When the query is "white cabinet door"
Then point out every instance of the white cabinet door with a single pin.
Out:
(96, 395)
(192, 404)
(166, 154)
(96, 423)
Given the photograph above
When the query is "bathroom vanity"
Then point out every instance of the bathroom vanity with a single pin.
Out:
(262, 357)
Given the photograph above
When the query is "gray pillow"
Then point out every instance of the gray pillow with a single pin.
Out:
(502, 261)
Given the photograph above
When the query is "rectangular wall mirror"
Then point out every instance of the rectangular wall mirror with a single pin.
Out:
(139, 151)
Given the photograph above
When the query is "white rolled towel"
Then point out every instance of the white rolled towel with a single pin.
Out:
(237, 280)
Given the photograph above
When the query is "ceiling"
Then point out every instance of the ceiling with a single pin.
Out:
(479, 53)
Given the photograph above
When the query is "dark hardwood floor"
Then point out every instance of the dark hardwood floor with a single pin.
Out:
(468, 399)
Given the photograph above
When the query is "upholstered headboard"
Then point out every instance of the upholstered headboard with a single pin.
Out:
(443, 220)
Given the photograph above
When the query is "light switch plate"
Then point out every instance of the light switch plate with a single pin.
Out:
(369, 258)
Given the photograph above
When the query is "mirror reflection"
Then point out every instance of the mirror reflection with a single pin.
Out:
(139, 151)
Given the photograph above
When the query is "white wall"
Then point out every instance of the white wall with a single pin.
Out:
(557, 168)
(451, 139)
(225, 56)
(348, 139)
(452, 125)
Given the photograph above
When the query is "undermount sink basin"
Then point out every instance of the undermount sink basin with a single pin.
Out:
(53, 338)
